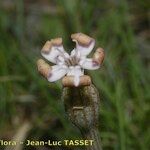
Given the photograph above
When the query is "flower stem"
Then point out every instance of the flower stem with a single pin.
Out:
(82, 107)
(94, 135)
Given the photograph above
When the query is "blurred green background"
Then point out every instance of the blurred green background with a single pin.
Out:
(32, 108)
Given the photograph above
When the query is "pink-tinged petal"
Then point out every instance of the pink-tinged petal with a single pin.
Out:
(52, 49)
(43, 68)
(89, 64)
(52, 55)
(57, 73)
(84, 43)
(85, 50)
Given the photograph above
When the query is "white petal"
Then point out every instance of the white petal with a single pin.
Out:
(77, 75)
(76, 80)
(73, 52)
(85, 50)
(53, 54)
(58, 71)
(60, 59)
(76, 72)
(88, 63)
(66, 55)
(70, 71)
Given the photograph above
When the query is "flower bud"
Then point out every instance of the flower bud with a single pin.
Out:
(82, 106)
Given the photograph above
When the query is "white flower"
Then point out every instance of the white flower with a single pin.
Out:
(75, 63)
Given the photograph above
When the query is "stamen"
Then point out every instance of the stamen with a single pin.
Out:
(73, 59)
(62, 53)
(68, 63)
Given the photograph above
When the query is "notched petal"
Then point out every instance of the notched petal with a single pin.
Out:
(43, 68)
(57, 73)
(52, 49)
(56, 41)
(82, 39)
(46, 48)
(48, 45)
(84, 43)
(89, 64)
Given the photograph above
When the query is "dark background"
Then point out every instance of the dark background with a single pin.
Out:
(31, 108)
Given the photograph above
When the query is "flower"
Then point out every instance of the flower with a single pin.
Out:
(71, 66)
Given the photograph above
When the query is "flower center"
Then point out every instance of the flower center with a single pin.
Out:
(72, 61)
(69, 60)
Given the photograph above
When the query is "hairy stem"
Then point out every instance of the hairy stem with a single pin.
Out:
(94, 135)
(82, 107)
